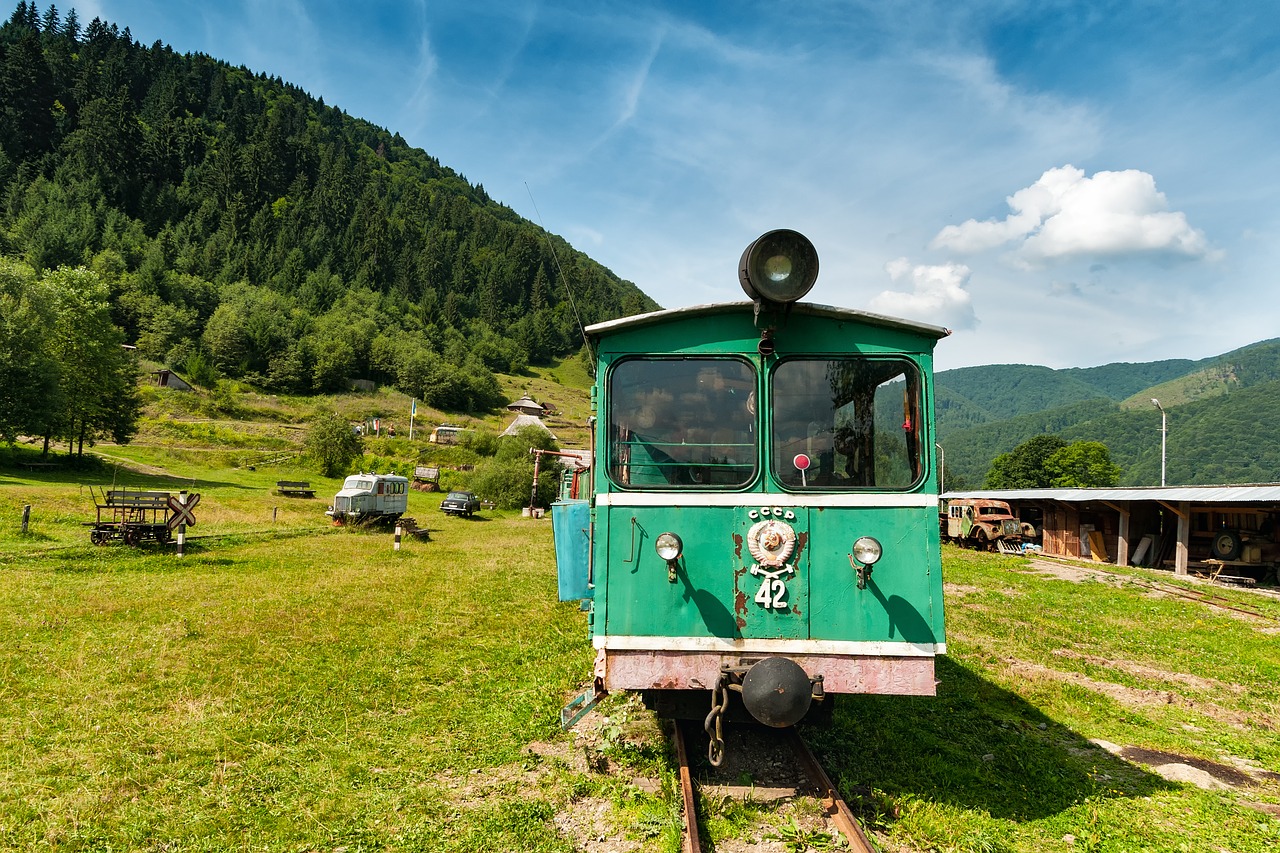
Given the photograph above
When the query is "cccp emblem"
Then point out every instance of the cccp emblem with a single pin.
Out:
(771, 542)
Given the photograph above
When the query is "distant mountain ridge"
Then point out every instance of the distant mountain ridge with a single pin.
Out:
(1223, 415)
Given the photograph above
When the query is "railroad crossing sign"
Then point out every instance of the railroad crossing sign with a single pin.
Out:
(182, 513)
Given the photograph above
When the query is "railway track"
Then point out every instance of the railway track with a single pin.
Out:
(836, 810)
(1205, 597)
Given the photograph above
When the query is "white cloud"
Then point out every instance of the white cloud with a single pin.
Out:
(937, 294)
(1066, 215)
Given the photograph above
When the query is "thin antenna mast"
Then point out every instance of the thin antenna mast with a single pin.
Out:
(563, 280)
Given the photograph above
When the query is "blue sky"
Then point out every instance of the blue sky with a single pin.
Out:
(1060, 183)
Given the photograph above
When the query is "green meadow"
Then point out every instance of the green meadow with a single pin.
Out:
(287, 685)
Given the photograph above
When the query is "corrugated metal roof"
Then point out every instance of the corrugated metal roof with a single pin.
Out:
(1248, 493)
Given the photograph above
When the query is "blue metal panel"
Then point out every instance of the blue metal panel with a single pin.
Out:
(571, 522)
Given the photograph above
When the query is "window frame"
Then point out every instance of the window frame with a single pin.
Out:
(613, 465)
(912, 372)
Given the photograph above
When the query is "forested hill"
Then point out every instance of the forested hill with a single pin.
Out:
(1223, 415)
(240, 223)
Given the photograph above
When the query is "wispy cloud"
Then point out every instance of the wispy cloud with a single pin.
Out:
(635, 88)
(417, 106)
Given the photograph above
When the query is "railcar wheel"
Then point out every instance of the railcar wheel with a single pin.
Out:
(98, 537)
(130, 536)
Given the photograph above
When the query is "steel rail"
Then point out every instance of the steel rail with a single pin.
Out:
(1154, 585)
(1203, 597)
(692, 842)
(837, 810)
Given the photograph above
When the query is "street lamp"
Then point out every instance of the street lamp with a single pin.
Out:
(1164, 436)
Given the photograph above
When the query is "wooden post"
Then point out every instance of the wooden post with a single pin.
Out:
(182, 528)
(274, 510)
(399, 530)
(1184, 537)
(26, 517)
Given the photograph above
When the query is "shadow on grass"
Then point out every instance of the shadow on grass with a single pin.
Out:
(91, 471)
(150, 554)
(975, 746)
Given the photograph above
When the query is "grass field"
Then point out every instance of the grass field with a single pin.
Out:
(291, 686)
(279, 687)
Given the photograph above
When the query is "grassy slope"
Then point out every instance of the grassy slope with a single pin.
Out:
(289, 685)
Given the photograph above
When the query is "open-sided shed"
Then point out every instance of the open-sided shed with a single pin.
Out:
(1176, 526)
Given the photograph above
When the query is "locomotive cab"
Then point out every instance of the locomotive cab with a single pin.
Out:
(764, 511)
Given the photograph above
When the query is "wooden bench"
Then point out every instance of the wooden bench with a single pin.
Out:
(295, 489)
(139, 500)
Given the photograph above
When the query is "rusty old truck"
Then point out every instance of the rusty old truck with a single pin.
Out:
(982, 523)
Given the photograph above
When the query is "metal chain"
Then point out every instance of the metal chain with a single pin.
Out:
(714, 723)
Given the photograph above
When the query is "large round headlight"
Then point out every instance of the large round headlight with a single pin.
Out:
(668, 546)
(780, 266)
(866, 550)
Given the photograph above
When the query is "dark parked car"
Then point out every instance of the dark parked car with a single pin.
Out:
(460, 503)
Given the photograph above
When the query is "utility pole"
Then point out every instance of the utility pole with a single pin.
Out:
(1164, 437)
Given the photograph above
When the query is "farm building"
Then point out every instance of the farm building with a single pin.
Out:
(168, 379)
(526, 405)
(524, 421)
(1231, 529)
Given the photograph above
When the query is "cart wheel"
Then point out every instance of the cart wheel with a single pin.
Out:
(130, 536)
(98, 537)
(163, 535)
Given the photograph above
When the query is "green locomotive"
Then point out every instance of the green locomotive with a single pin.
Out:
(762, 529)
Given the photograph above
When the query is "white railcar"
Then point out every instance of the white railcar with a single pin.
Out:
(370, 498)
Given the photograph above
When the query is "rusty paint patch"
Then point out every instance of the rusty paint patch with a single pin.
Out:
(802, 541)
(737, 545)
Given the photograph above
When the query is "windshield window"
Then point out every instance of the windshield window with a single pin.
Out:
(682, 422)
(846, 423)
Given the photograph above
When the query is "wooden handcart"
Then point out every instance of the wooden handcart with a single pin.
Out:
(130, 517)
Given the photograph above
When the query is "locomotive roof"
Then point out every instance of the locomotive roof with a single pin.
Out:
(608, 327)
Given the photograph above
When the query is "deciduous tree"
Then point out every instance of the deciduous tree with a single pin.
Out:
(1082, 465)
(332, 444)
(98, 377)
(1024, 466)
(28, 372)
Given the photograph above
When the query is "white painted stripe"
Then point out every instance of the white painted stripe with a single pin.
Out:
(764, 646)
(760, 499)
